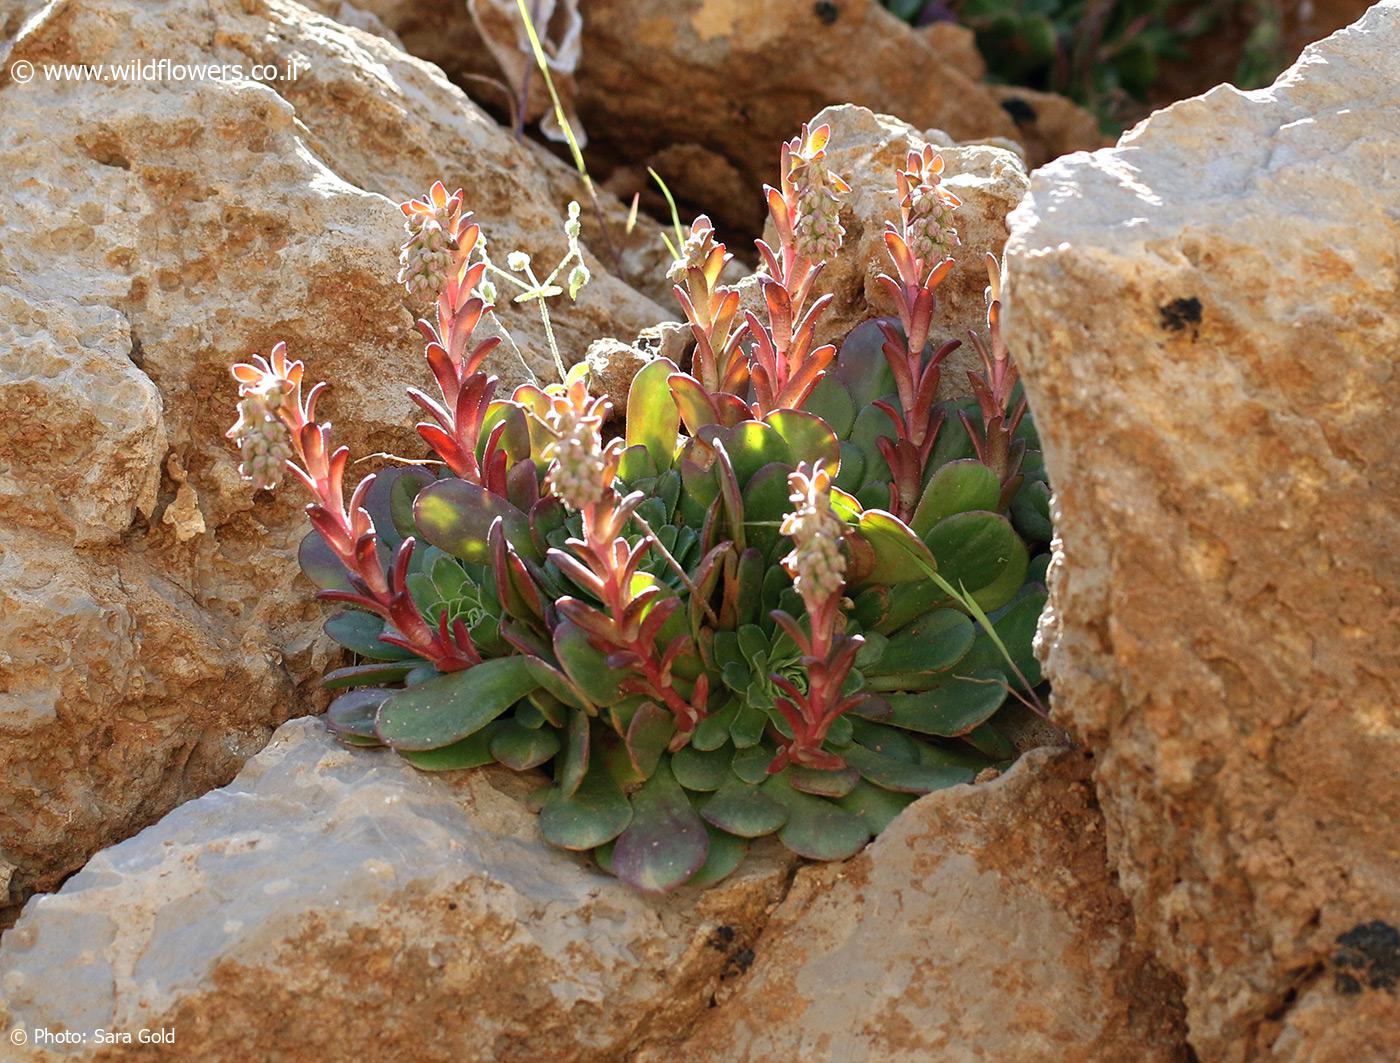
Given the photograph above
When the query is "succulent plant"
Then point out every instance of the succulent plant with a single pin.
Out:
(792, 596)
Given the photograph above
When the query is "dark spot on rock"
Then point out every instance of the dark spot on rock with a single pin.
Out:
(721, 938)
(827, 11)
(1021, 111)
(1289, 999)
(104, 148)
(744, 960)
(1179, 313)
(1369, 957)
(451, 906)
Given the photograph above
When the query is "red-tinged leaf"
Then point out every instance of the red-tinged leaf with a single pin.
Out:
(666, 842)
(648, 734)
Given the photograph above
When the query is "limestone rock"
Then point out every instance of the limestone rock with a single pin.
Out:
(1205, 319)
(668, 339)
(1049, 125)
(747, 73)
(983, 923)
(155, 232)
(332, 903)
(736, 78)
(611, 366)
(865, 149)
(82, 435)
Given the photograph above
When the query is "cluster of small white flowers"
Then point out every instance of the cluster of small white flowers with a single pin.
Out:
(694, 251)
(262, 437)
(816, 563)
(929, 231)
(576, 475)
(817, 232)
(426, 255)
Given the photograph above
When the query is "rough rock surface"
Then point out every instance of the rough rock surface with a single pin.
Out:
(737, 77)
(611, 366)
(1048, 125)
(983, 923)
(372, 909)
(865, 149)
(1205, 318)
(750, 72)
(154, 233)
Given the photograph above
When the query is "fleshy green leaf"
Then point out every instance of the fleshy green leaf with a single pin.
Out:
(636, 467)
(453, 706)
(1015, 625)
(902, 776)
(725, 855)
(522, 748)
(875, 805)
(972, 549)
(596, 814)
(396, 481)
(822, 783)
(953, 707)
(832, 403)
(749, 725)
(363, 675)
(456, 516)
(891, 542)
(1006, 586)
(586, 667)
(751, 763)
(352, 714)
(808, 437)
(701, 770)
(648, 733)
(653, 420)
(577, 754)
(958, 487)
(861, 364)
(1030, 511)
(320, 565)
(713, 731)
(666, 842)
(471, 752)
(750, 445)
(359, 632)
(743, 809)
(934, 642)
(816, 828)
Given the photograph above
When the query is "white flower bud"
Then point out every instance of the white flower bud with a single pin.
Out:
(578, 277)
(816, 563)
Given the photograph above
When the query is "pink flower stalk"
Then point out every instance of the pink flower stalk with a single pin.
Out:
(455, 360)
(712, 310)
(919, 247)
(348, 531)
(602, 562)
(995, 440)
(783, 363)
(818, 568)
